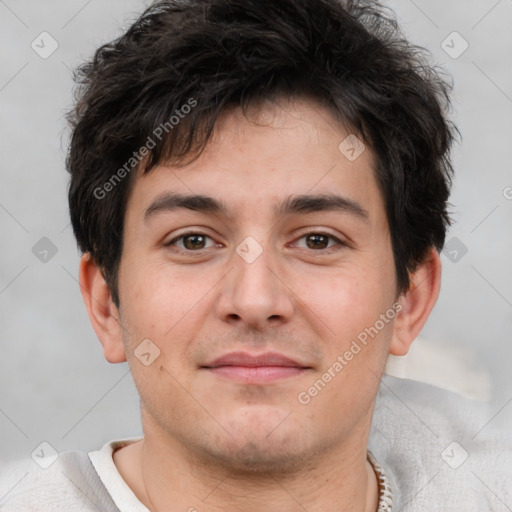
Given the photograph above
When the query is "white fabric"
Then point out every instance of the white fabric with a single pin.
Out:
(103, 462)
(419, 434)
(70, 483)
(440, 450)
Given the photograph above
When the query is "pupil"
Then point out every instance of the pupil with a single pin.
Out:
(197, 241)
(317, 241)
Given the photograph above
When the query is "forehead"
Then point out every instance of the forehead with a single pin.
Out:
(282, 157)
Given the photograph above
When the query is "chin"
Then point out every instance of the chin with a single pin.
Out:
(261, 458)
(262, 448)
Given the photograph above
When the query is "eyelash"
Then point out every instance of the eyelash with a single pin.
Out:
(339, 244)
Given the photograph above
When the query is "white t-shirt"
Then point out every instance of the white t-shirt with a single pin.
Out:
(118, 489)
(427, 446)
(61, 487)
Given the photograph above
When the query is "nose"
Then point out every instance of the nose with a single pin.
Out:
(255, 293)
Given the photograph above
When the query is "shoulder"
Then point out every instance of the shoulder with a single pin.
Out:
(68, 483)
(439, 448)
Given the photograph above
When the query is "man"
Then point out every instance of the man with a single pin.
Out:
(259, 190)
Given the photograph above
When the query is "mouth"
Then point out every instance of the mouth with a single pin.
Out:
(255, 369)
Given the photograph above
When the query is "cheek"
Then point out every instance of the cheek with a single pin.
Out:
(158, 307)
(354, 356)
(166, 308)
(347, 301)
(157, 300)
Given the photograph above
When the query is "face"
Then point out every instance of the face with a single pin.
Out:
(257, 297)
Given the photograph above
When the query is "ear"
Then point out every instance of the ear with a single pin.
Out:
(417, 303)
(103, 314)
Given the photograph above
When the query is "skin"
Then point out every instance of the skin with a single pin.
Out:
(214, 444)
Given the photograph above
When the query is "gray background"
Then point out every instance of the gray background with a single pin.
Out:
(55, 385)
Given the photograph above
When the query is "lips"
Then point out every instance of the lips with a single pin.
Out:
(255, 369)
(253, 361)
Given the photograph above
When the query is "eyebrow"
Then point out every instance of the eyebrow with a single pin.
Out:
(322, 202)
(172, 201)
(300, 204)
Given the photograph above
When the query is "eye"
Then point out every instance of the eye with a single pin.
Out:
(191, 241)
(320, 241)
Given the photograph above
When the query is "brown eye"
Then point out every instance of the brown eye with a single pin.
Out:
(191, 242)
(317, 241)
(194, 242)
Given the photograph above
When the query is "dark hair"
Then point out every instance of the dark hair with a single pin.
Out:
(213, 55)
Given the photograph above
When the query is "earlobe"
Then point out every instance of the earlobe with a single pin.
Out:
(417, 304)
(103, 314)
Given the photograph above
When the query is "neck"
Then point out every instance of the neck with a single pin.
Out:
(341, 480)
